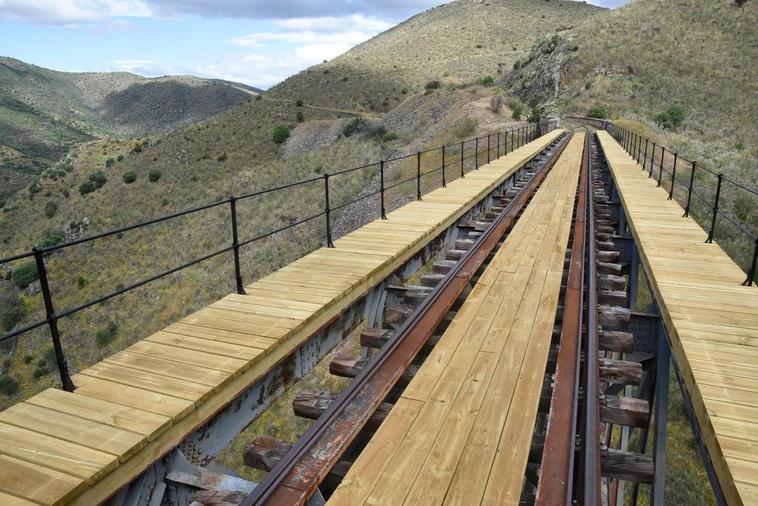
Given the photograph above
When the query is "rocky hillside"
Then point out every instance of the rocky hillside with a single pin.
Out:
(637, 61)
(43, 113)
(454, 43)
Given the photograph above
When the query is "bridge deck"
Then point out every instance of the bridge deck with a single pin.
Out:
(712, 322)
(136, 405)
(462, 429)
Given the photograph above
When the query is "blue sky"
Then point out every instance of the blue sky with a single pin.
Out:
(258, 42)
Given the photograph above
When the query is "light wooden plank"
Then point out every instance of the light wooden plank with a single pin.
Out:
(35, 483)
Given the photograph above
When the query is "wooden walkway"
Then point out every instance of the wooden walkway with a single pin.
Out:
(711, 320)
(136, 405)
(462, 429)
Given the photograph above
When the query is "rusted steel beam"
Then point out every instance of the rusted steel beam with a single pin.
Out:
(298, 476)
(555, 482)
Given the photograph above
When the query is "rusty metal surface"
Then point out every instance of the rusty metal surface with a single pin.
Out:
(299, 474)
(556, 473)
(591, 442)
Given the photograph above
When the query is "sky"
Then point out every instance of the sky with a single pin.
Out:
(256, 42)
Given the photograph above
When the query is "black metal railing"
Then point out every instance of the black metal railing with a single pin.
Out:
(667, 166)
(507, 141)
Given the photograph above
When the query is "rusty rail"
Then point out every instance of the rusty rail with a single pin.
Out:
(557, 470)
(297, 476)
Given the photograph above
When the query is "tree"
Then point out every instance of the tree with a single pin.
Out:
(598, 112)
(518, 109)
(281, 133)
(672, 118)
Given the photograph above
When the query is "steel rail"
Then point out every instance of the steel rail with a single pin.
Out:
(591, 440)
(298, 474)
(557, 469)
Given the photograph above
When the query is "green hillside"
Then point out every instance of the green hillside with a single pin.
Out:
(44, 113)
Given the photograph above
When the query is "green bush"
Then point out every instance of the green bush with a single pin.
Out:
(154, 175)
(109, 163)
(40, 371)
(50, 237)
(81, 282)
(35, 188)
(120, 157)
(535, 115)
(672, 118)
(50, 208)
(518, 109)
(86, 187)
(433, 85)
(106, 335)
(300, 116)
(353, 126)
(8, 385)
(11, 308)
(299, 103)
(129, 177)
(280, 134)
(25, 274)
(486, 81)
(598, 112)
(98, 179)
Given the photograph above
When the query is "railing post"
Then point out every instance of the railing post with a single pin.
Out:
(673, 176)
(715, 209)
(476, 156)
(498, 144)
(328, 213)
(639, 148)
(751, 272)
(444, 183)
(418, 175)
(52, 321)
(463, 172)
(505, 143)
(660, 172)
(689, 191)
(512, 139)
(652, 161)
(644, 157)
(381, 187)
(488, 147)
(236, 245)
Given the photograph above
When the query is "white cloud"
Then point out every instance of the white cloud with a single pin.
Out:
(335, 23)
(69, 12)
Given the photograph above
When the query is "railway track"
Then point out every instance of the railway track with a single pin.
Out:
(579, 451)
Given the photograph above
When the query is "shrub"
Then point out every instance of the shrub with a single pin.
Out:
(300, 116)
(518, 109)
(81, 282)
(86, 187)
(353, 126)
(120, 157)
(35, 188)
(281, 133)
(433, 85)
(40, 371)
(154, 175)
(598, 112)
(11, 308)
(98, 179)
(25, 274)
(129, 177)
(221, 157)
(50, 237)
(299, 103)
(486, 81)
(106, 335)
(8, 385)
(672, 118)
(109, 163)
(466, 127)
(535, 115)
(50, 208)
